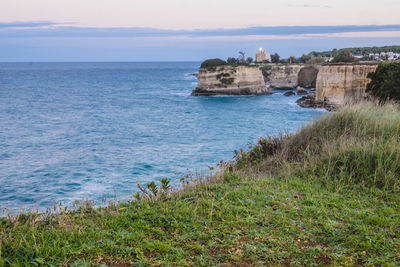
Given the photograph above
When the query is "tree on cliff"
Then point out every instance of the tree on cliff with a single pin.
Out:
(316, 60)
(305, 58)
(232, 60)
(242, 57)
(344, 56)
(249, 60)
(385, 82)
(292, 59)
(275, 58)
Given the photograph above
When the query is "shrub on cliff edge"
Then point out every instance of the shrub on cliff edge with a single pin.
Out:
(211, 63)
(385, 82)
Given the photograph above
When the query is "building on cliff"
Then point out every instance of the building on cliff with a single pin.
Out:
(262, 56)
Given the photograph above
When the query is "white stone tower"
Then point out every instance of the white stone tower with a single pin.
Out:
(262, 56)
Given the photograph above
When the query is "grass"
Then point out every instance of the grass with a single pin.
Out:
(358, 145)
(327, 195)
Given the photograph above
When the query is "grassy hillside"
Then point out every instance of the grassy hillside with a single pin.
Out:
(328, 194)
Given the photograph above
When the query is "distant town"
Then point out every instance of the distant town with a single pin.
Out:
(391, 56)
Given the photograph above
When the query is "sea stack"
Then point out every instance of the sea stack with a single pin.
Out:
(231, 80)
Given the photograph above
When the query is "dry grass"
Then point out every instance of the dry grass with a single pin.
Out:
(360, 144)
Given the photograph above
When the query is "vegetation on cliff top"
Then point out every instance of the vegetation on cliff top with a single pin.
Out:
(358, 50)
(385, 82)
(212, 63)
(343, 56)
(328, 194)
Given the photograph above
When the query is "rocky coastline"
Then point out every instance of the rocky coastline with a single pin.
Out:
(331, 85)
(231, 80)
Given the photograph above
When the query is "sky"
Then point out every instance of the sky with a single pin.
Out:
(187, 30)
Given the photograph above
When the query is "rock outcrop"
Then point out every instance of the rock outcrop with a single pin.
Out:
(307, 77)
(283, 77)
(308, 101)
(341, 83)
(289, 93)
(301, 91)
(230, 80)
(336, 84)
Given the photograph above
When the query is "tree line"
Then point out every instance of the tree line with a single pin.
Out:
(358, 51)
(242, 59)
(344, 55)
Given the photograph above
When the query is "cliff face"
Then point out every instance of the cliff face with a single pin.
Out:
(229, 80)
(283, 77)
(308, 76)
(339, 84)
(335, 84)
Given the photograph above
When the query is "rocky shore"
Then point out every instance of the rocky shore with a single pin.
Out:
(334, 84)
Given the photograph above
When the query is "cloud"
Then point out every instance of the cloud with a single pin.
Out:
(318, 6)
(38, 29)
(372, 35)
(29, 24)
(287, 30)
(310, 6)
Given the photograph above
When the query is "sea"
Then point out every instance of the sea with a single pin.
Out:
(75, 131)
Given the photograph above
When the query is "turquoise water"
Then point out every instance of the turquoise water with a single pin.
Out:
(74, 130)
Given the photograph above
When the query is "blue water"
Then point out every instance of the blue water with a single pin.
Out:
(75, 130)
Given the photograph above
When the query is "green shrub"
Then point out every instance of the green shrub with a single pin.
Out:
(212, 63)
(385, 82)
(344, 56)
(266, 147)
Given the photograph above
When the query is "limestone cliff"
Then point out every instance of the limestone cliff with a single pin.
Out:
(341, 83)
(283, 77)
(308, 76)
(231, 80)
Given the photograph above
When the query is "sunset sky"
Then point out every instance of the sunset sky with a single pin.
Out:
(151, 30)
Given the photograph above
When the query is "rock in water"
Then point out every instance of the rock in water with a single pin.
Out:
(309, 101)
(289, 93)
(311, 95)
(301, 90)
(231, 80)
